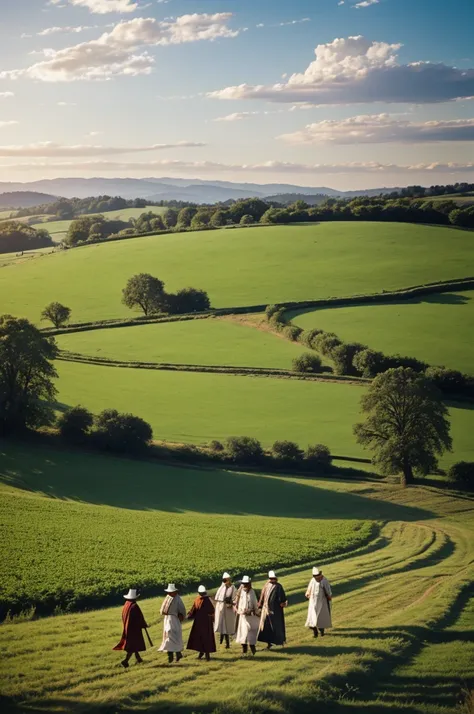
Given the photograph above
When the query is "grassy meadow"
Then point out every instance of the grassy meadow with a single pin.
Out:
(58, 229)
(52, 496)
(435, 328)
(203, 342)
(242, 266)
(188, 407)
(402, 617)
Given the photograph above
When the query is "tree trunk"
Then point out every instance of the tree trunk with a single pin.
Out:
(407, 474)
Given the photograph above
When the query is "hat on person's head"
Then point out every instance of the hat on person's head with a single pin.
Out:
(225, 576)
(132, 594)
(202, 589)
(317, 571)
(246, 580)
(271, 574)
(171, 588)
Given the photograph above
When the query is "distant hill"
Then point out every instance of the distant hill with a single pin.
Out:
(167, 189)
(24, 199)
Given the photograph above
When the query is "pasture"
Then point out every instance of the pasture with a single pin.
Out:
(189, 407)
(202, 342)
(51, 496)
(58, 229)
(435, 328)
(242, 266)
(402, 615)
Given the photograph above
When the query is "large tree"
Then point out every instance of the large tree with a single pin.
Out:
(55, 312)
(26, 375)
(145, 292)
(406, 425)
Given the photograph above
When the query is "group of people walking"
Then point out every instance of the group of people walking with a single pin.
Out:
(233, 612)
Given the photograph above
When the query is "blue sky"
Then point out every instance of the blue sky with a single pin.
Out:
(233, 90)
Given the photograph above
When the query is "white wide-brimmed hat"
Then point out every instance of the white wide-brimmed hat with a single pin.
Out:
(317, 571)
(246, 579)
(131, 595)
(171, 588)
(202, 589)
(225, 576)
(271, 574)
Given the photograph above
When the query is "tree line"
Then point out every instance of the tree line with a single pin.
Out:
(16, 236)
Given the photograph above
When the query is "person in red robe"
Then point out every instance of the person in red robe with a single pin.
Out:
(133, 623)
(201, 637)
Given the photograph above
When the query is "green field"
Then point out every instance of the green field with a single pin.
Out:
(242, 266)
(195, 408)
(58, 229)
(435, 328)
(206, 342)
(402, 616)
(50, 496)
(5, 215)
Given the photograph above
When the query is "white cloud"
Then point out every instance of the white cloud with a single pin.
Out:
(67, 104)
(10, 122)
(120, 52)
(294, 22)
(236, 116)
(69, 29)
(356, 70)
(49, 148)
(101, 7)
(366, 3)
(381, 128)
(6, 95)
(277, 167)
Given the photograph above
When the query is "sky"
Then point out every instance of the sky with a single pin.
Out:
(343, 93)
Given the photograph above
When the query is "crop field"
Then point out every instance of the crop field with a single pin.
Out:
(435, 328)
(402, 616)
(194, 408)
(50, 496)
(242, 266)
(58, 229)
(206, 342)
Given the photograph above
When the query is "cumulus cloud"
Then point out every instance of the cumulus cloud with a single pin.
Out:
(101, 7)
(357, 70)
(49, 148)
(68, 29)
(277, 167)
(120, 51)
(381, 128)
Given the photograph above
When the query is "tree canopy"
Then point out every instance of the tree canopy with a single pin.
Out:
(145, 292)
(16, 236)
(406, 426)
(55, 312)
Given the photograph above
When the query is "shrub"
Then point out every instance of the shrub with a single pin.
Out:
(343, 356)
(277, 320)
(75, 423)
(462, 474)
(292, 332)
(244, 449)
(124, 433)
(270, 310)
(287, 450)
(370, 363)
(325, 342)
(307, 337)
(449, 381)
(188, 300)
(396, 361)
(216, 445)
(247, 220)
(318, 455)
(308, 363)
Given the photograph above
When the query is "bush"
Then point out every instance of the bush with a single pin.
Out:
(123, 433)
(277, 319)
(449, 381)
(308, 363)
(318, 455)
(370, 363)
(287, 450)
(325, 342)
(216, 445)
(188, 300)
(244, 449)
(270, 310)
(343, 356)
(247, 220)
(307, 337)
(462, 474)
(292, 332)
(75, 424)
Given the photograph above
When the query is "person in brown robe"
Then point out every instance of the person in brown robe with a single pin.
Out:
(201, 637)
(133, 623)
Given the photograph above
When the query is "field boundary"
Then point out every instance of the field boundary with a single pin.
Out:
(214, 369)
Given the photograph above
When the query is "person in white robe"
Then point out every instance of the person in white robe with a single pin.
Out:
(224, 618)
(246, 607)
(319, 607)
(174, 612)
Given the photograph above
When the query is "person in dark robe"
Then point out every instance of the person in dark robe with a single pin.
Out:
(132, 641)
(201, 637)
(272, 620)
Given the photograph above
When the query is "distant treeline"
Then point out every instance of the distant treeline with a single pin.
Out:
(16, 236)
